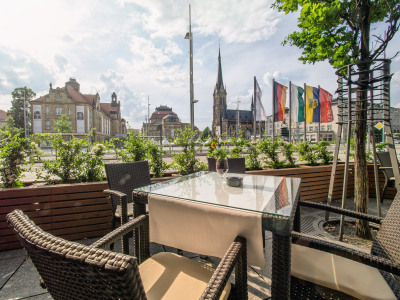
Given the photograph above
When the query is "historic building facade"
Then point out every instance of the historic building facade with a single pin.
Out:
(3, 117)
(225, 120)
(163, 123)
(85, 112)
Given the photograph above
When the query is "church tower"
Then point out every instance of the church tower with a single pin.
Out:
(219, 107)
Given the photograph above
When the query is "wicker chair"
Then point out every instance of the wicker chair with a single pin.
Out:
(122, 179)
(386, 166)
(236, 165)
(70, 270)
(322, 269)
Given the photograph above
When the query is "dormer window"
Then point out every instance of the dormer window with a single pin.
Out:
(58, 96)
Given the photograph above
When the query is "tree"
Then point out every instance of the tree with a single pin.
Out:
(17, 107)
(63, 124)
(340, 31)
(205, 134)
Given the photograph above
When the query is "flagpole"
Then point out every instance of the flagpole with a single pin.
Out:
(305, 114)
(319, 121)
(273, 109)
(290, 111)
(255, 109)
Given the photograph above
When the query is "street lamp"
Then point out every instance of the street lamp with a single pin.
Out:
(189, 37)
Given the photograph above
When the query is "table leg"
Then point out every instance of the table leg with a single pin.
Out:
(281, 261)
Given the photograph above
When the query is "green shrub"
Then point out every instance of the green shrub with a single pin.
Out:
(134, 148)
(308, 153)
(324, 154)
(288, 150)
(252, 159)
(186, 162)
(238, 143)
(15, 153)
(93, 166)
(270, 148)
(154, 155)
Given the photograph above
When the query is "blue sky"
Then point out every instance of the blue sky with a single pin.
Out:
(137, 49)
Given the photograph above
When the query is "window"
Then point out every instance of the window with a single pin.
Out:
(47, 124)
(58, 96)
(329, 127)
(58, 111)
(69, 111)
(47, 110)
(310, 128)
(323, 128)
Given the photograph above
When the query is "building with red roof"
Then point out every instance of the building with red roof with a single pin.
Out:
(3, 117)
(85, 111)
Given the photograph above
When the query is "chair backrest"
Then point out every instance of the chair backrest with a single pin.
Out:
(236, 165)
(384, 160)
(74, 271)
(125, 177)
(387, 240)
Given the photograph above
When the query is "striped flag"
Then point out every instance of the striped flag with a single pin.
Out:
(312, 104)
(297, 105)
(326, 106)
(280, 102)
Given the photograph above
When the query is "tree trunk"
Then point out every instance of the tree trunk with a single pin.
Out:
(361, 194)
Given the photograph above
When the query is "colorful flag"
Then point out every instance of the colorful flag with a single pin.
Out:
(297, 105)
(260, 112)
(326, 106)
(312, 104)
(279, 101)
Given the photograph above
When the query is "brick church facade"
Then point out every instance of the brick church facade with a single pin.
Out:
(224, 119)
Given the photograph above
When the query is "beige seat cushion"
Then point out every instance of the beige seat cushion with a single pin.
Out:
(339, 273)
(118, 210)
(171, 276)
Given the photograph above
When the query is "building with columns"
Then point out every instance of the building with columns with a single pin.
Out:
(225, 120)
(85, 112)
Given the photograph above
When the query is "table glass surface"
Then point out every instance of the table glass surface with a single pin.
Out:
(263, 194)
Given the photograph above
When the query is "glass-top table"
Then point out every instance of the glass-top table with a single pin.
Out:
(263, 194)
(275, 198)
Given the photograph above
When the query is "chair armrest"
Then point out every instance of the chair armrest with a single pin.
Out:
(235, 256)
(121, 231)
(115, 193)
(338, 210)
(346, 252)
(122, 202)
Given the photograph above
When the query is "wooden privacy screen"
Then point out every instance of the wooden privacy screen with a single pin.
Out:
(82, 210)
(71, 211)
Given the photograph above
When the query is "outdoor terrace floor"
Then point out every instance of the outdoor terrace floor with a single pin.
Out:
(20, 280)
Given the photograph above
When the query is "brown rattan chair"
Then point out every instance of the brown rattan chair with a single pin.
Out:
(71, 270)
(124, 178)
(325, 269)
(386, 167)
(236, 165)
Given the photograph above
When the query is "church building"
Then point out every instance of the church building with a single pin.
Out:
(224, 119)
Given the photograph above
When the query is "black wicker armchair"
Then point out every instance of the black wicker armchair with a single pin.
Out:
(236, 165)
(122, 179)
(386, 167)
(70, 270)
(324, 269)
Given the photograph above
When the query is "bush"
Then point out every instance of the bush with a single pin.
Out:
(308, 153)
(288, 150)
(324, 154)
(93, 167)
(186, 162)
(134, 148)
(238, 143)
(270, 148)
(154, 155)
(15, 152)
(252, 161)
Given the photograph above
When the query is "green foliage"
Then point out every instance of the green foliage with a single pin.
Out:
(154, 155)
(205, 134)
(288, 150)
(211, 144)
(63, 124)
(252, 159)
(17, 107)
(9, 128)
(332, 30)
(93, 166)
(220, 152)
(186, 162)
(381, 146)
(270, 148)
(15, 153)
(324, 154)
(134, 148)
(238, 143)
(308, 153)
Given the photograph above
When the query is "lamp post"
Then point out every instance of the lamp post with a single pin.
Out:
(189, 37)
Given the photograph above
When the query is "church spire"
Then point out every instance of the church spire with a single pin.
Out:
(220, 82)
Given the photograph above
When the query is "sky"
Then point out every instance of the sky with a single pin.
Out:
(136, 48)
